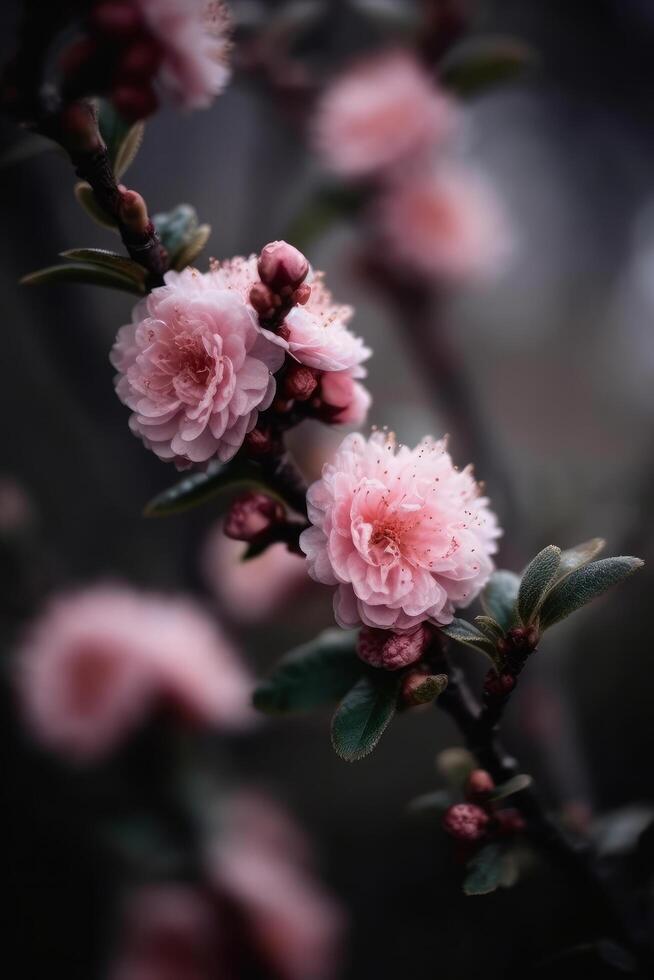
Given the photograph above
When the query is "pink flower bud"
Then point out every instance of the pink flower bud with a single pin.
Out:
(134, 102)
(302, 294)
(465, 821)
(523, 639)
(479, 785)
(140, 61)
(251, 515)
(263, 300)
(281, 266)
(133, 212)
(300, 382)
(391, 651)
(509, 822)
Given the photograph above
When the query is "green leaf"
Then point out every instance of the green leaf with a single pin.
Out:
(108, 260)
(464, 632)
(86, 198)
(499, 597)
(317, 673)
(479, 63)
(218, 478)
(364, 714)
(176, 228)
(512, 786)
(128, 149)
(510, 870)
(431, 803)
(536, 580)
(190, 252)
(83, 272)
(579, 556)
(583, 585)
(455, 765)
(429, 689)
(484, 871)
(489, 628)
(113, 127)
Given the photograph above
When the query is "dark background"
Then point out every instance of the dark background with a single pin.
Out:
(560, 355)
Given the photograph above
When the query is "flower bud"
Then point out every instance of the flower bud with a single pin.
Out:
(479, 785)
(263, 300)
(302, 294)
(251, 515)
(392, 651)
(140, 61)
(465, 821)
(133, 212)
(499, 685)
(300, 382)
(259, 442)
(523, 639)
(135, 101)
(281, 266)
(509, 822)
(420, 688)
(116, 19)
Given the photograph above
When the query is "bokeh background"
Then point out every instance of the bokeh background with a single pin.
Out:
(558, 355)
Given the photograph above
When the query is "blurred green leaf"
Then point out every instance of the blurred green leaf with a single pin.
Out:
(484, 871)
(108, 260)
(176, 228)
(536, 580)
(499, 597)
(218, 478)
(455, 765)
(364, 714)
(317, 673)
(583, 585)
(479, 63)
(431, 803)
(86, 198)
(578, 556)
(87, 273)
(114, 129)
(128, 149)
(188, 253)
(514, 785)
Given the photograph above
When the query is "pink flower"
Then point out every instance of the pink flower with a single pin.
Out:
(170, 934)
(194, 39)
(260, 862)
(404, 536)
(380, 113)
(95, 663)
(444, 223)
(194, 368)
(255, 590)
(347, 400)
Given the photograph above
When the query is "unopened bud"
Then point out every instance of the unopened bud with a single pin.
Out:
(465, 821)
(499, 685)
(523, 639)
(263, 300)
(420, 688)
(302, 294)
(509, 822)
(259, 442)
(134, 102)
(140, 61)
(281, 266)
(392, 651)
(251, 515)
(116, 19)
(479, 785)
(300, 382)
(133, 212)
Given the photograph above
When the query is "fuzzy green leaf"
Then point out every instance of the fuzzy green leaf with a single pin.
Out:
(431, 803)
(364, 714)
(489, 627)
(536, 580)
(315, 674)
(218, 478)
(580, 555)
(86, 198)
(87, 273)
(514, 785)
(499, 597)
(455, 765)
(464, 632)
(484, 871)
(108, 260)
(480, 63)
(190, 252)
(128, 149)
(113, 127)
(429, 689)
(585, 584)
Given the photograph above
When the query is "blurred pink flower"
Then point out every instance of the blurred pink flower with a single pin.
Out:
(404, 536)
(250, 591)
(347, 399)
(260, 862)
(194, 368)
(170, 934)
(380, 113)
(16, 508)
(95, 663)
(194, 40)
(444, 223)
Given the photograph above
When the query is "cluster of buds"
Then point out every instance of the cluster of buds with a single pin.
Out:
(478, 820)
(282, 271)
(117, 57)
(260, 520)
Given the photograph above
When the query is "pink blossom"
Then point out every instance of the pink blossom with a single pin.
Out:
(380, 113)
(194, 40)
(391, 651)
(444, 223)
(95, 663)
(194, 368)
(404, 536)
(282, 266)
(254, 590)
(170, 934)
(347, 399)
(260, 862)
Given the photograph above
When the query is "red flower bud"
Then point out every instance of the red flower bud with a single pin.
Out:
(259, 442)
(300, 382)
(116, 19)
(479, 785)
(509, 822)
(392, 651)
(465, 821)
(263, 300)
(134, 102)
(140, 61)
(251, 515)
(499, 685)
(281, 266)
(134, 212)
